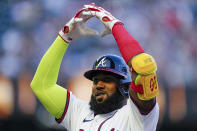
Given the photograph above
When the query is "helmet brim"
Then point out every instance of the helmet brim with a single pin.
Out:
(91, 73)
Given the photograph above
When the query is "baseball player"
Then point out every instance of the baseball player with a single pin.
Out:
(124, 89)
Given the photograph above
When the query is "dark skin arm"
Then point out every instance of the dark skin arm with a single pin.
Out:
(144, 106)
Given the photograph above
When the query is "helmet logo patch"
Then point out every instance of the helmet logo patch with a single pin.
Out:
(102, 63)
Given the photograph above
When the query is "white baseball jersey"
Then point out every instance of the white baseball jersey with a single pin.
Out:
(78, 117)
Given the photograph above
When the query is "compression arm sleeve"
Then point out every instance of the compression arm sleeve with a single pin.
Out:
(128, 46)
(52, 96)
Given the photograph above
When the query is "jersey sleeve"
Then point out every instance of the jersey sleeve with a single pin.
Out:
(52, 96)
(75, 110)
(147, 122)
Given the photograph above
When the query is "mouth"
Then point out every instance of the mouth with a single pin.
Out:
(99, 97)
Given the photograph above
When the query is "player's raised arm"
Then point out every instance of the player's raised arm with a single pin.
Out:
(51, 95)
(144, 87)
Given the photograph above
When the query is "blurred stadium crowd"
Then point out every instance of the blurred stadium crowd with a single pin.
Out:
(166, 29)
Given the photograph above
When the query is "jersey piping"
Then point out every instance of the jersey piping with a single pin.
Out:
(65, 109)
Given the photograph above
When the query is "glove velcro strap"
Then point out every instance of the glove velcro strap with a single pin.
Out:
(149, 84)
(64, 37)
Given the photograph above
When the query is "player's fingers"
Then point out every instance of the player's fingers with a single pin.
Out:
(104, 33)
(90, 31)
(85, 15)
(89, 13)
(79, 13)
(92, 8)
(77, 20)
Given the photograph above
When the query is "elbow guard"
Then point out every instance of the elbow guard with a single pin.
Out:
(145, 66)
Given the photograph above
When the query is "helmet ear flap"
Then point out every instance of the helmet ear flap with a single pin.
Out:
(124, 89)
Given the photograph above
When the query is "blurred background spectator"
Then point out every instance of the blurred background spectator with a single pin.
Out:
(165, 29)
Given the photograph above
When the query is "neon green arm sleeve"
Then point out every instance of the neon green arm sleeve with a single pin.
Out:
(52, 96)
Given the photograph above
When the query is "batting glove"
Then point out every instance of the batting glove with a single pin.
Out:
(106, 18)
(76, 28)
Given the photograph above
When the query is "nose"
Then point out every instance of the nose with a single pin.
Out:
(100, 85)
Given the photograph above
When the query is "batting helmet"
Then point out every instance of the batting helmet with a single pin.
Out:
(112, 64)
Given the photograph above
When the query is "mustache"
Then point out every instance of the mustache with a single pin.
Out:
(99, 93)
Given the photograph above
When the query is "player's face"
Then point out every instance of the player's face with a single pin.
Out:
(104, 86)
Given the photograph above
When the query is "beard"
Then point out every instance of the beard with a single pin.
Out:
(115, 101)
